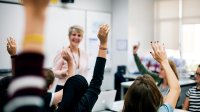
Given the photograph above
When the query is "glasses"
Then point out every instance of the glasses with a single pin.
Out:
(197, 74)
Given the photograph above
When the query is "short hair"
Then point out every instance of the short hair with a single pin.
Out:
(49, 76)
(173, 66)
(76, 28)
(199, 65)
(143, 96)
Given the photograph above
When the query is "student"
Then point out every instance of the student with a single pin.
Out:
(77, 95)
(5, 81)
(144, 96)
(80, 57)
(51, 99)
(160, 78)
(192, 99)
(27, 86)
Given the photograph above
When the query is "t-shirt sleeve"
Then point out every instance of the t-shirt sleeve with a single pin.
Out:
(187, 93)
(166, 108)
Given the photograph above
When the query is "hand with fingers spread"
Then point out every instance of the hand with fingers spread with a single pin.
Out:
(158, 53)
(11, 46)
(67, 57)
(135, 48)
(103, 34)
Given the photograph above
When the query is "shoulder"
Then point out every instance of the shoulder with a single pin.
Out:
(194, 88)
(166, 108)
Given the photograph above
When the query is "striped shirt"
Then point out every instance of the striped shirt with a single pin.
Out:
(194, 99)
(27, 86)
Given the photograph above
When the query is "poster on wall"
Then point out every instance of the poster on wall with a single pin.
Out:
(121, 45)
(93, 21)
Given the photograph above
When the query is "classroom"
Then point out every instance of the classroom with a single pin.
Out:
(139, 36)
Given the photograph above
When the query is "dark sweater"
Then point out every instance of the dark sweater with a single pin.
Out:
(27, 86)
(77, 97)
(4, 82)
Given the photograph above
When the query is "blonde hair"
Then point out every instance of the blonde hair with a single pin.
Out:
(173, 66)
(76, 28)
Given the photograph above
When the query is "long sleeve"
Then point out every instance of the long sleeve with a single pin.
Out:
(13, 63)
(77, 96)
(143, 70)
(27, 86)
(90, 97)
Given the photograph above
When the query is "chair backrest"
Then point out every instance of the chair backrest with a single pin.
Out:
(121, 69)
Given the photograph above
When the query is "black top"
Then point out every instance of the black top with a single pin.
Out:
(4, 82)
(77, 95)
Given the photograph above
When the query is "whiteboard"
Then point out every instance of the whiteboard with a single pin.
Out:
(56, 30)
(94, 20)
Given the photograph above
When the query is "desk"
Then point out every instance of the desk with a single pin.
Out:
(184, 83)
(131, 76)
(118, 106)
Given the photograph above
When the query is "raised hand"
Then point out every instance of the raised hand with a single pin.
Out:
(67, 57)
(37, 5)
(135, 48)
(159, 53)
(103, 34)
(11, 46)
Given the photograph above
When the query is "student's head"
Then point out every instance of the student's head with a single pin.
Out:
(49, 77)
(74, 88)
(197, 74)
(75, 35)
(143, 96)
(162, 73)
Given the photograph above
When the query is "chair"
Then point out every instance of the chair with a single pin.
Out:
(121, 70)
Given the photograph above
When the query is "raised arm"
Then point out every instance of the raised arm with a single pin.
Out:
(12, 48)
(28, 83)
(140, 66)
(94, 90)
(159, 54)
(67, 57)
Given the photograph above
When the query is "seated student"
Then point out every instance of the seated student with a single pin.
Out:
(27, 86)
(144, 96)
(51, 99)
(160, 78)
(192, 99)
(77, 95)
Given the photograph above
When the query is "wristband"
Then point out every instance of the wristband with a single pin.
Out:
(13, 56)
(34, 38)
(102, 48)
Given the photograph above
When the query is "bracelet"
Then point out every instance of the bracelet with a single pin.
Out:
(102, 48)
(13, 56)
(34, 38)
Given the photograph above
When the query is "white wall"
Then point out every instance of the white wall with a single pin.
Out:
(78, 5)
(94, 5)
(141, 28)
(132, 20)
(119, 32)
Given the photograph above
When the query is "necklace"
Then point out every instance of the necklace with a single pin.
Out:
(76, 63)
